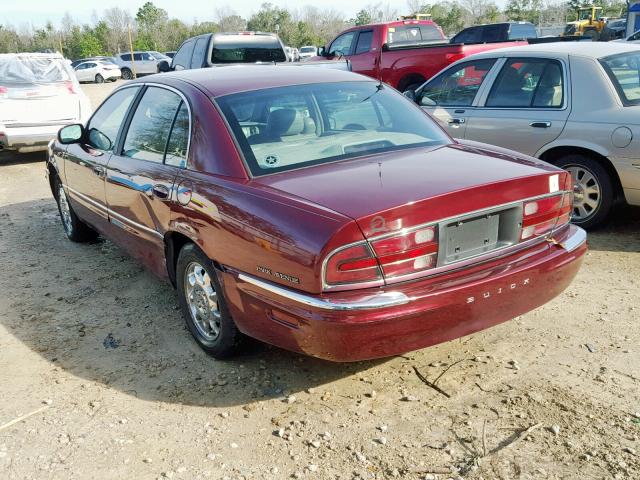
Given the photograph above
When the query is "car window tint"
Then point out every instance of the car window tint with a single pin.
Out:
(342, 44)
(198, 53)
(179, 139)
(150, 126)
(364, 42)
(182, 57)
(126, 57)
(458, 86)
(624, 72)
(527, 83)
(90, 65)
(493, 33)
(469, 35)
(105, 123)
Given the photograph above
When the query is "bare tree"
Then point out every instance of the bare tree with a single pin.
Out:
(118, 21)
(228, 20)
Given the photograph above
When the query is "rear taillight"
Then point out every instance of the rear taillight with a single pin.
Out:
(70, 87)
(355, 264)
(4, 92)
(541, 216)
(407, 253)
(389, 257)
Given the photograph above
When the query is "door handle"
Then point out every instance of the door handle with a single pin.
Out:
(456, 121)
(99, 171)
(161, 191)
(540, 124)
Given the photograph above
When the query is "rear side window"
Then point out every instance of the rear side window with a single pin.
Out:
(494, 33)
(182, 57)
(469, 35)
(198, 53)
(137, 57)
(458, 86)
(105, 123)
(126, 57)
(520, 31)
(364, 42)
(151, 125)
(528, 83)
(408, 34)
(624, 72)
(179, 139)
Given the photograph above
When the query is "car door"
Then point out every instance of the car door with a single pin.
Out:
(81, 72)
(90, 72)
(142, 172)
(363, 59)
(451, 96)
(85, 163)
(150, 64)
(525, 108)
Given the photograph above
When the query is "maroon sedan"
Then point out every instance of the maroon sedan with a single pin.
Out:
(317, 210)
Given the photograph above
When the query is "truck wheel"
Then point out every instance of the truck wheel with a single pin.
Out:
(593, 34)
(204, 306)
(99, 78)
(127, 74)
(75, 229)
(593, 189)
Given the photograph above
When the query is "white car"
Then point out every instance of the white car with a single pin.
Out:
(575, 105)
(634, 38)
(144, 63)
(39, 94)
(97, 71)
(308, 51)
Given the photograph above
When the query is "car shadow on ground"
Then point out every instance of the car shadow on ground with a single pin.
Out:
(12, 158)
(95, 313)
(621, 233)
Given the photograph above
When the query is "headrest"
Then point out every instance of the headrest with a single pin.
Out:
(285, 122)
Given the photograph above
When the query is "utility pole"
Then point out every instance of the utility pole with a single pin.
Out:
(133, 64)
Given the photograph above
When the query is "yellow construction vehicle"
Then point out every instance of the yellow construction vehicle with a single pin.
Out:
(589, 24)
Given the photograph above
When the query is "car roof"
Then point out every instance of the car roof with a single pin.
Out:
(229, 79)
(584, 49)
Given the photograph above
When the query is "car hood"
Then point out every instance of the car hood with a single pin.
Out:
(419, 184)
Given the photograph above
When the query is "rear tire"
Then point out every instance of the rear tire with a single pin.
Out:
(594, 193)
(99, 78)
(203, 304)
(75, 229)
(127, 74)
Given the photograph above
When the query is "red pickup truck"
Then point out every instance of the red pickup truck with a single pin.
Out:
(404, 53)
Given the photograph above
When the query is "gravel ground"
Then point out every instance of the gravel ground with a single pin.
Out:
(96, 347)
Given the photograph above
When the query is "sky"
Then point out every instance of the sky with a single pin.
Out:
(37, 12)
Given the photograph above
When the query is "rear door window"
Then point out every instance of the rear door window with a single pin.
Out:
(182, 58)
(528, 83)
(494, 33)
(179, 139)
(198, 53)
(364, 42)
(151, 124)
(469, 35)
(458, 86)
(126, 57)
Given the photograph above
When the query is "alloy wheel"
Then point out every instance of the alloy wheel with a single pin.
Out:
(202, 300)
(587, 192)
(65, 210)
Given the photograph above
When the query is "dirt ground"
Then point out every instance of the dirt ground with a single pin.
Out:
(96, 347)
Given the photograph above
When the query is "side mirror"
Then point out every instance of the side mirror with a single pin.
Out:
(410, 94)
(163, 66)
(71, 134)
(427, 102)
(385, 47)
(99, 140)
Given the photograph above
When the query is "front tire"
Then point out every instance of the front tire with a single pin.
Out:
(75, 229)
(127, 74)
(204, 306)
(99, 78)
(593, 189)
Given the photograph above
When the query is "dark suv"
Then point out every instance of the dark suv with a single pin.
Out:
(496, 32)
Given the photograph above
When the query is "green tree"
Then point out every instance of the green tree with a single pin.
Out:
(152, 22)
(272, 19)
(363, 17)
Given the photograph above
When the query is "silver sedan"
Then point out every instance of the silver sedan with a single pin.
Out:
(573, 104)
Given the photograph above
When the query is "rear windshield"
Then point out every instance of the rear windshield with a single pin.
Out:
(247, 49)
(520, 31)
(17, 69)
(624, 71)
(409, 34)
(292, 127)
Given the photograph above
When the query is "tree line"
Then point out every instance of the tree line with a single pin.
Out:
(152, 29)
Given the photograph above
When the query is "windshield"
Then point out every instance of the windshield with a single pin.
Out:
(293, 127)
(33, 69)
(624, 71)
